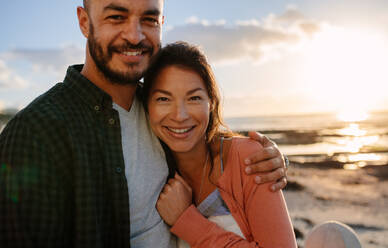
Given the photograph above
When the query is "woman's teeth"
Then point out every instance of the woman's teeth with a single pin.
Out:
(183, 130)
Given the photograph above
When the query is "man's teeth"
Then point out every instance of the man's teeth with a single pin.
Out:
(179, 130)
(135, 53)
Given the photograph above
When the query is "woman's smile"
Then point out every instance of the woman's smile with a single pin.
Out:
(179, 108)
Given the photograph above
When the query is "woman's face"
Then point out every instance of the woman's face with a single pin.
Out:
(178, 108)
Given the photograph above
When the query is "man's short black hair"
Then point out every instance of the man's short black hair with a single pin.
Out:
(86, 4)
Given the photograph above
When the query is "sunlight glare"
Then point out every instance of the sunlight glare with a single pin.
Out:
(351, 167)
(352, 130)
(352, 115)
(345, 70)
(362, 156)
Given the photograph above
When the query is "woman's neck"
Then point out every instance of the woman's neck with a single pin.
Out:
(195, 167)
(190, 163)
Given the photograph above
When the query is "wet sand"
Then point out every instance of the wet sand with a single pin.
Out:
(357, 198)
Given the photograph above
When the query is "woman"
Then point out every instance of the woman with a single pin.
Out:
(183, 104)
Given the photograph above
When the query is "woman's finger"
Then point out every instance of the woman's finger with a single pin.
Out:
(180, 179)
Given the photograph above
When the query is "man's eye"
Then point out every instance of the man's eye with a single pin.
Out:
(116, 17)
(150, 20)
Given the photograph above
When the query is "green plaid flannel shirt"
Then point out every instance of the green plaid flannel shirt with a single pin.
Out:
(62, 180)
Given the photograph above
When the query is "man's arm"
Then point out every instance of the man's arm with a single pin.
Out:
(32, 200)
(268, 160)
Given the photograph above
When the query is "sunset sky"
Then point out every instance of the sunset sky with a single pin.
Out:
(269, 57)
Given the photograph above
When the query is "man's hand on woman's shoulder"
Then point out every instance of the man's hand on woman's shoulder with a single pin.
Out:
(269, 161)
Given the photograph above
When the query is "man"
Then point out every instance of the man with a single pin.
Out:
(79, 165)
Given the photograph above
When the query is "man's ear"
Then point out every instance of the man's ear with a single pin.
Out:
(163, 20)
(83, 21)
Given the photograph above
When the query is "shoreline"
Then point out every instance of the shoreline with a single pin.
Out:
(355, 197)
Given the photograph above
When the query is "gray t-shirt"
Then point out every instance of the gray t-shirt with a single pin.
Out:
(146, 172)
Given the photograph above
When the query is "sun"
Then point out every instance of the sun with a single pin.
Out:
(352, 115)
(345, 70)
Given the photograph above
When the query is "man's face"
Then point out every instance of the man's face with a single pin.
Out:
(123, 37)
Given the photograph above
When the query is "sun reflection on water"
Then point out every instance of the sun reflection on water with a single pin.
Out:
(355, 138)
(359, 157)
(352, 130)
(355, 143)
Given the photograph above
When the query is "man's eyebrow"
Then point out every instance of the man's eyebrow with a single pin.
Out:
(115, 7)
(154, 12)
(112, 6)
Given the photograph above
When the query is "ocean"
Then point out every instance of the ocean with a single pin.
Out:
(324, 140)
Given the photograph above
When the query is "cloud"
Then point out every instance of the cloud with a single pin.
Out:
(48, 60)
(271, 104)
(9, 79)
(258, 40)
(195, 20)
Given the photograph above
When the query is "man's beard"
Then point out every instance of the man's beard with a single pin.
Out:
(102, 59)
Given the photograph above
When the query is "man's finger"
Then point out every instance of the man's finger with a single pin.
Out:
(281, 184)
(262, 139)
(256, 136)
(262, 155)
(271, 176)
(264, 166)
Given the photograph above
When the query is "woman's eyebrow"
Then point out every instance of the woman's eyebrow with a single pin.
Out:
(194, 90)
(161, 91)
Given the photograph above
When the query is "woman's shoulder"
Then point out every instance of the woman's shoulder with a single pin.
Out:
(240, 148)
(244, 146)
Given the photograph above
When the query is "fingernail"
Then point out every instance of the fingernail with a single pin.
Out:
(247, 161)
(257, 179)
(248, 170)
(273, 188)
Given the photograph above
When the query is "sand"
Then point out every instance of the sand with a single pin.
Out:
(357, 198)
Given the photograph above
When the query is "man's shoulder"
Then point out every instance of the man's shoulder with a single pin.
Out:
(49, 104)
(51, 107)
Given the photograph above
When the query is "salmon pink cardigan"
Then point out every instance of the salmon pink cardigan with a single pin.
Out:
(262, 215)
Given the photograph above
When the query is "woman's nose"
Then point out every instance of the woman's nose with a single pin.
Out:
(180, 112)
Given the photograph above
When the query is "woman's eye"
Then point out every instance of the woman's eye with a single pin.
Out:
(195, 98)
(162, 99)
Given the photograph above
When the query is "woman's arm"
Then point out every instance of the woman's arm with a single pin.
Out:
(269, 224)
(268, 217)
(264, 211)
(175, 208)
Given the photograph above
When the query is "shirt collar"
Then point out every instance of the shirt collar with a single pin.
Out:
(95, 97)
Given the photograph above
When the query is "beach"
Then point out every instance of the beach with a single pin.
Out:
(338, 171)
(357, 198)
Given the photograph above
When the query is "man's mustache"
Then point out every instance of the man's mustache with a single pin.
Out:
(129, 46)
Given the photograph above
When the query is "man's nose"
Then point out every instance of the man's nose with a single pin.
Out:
(133, 32)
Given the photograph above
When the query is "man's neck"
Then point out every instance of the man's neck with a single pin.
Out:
(122, 95)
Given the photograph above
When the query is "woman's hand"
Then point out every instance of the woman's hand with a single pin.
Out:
(174, 199)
